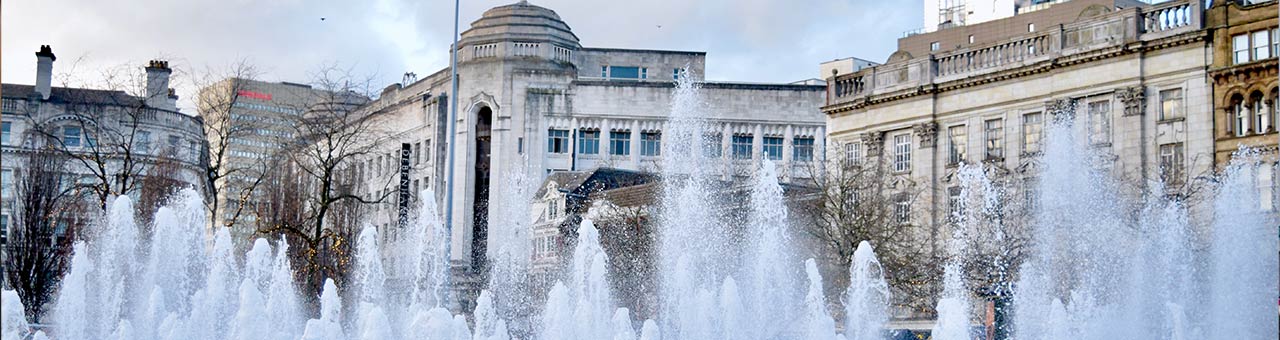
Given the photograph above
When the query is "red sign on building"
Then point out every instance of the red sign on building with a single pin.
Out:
(254, 95)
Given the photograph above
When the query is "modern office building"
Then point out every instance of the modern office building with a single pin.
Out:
(260, 118)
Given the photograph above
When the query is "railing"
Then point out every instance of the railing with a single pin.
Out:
(1106, 31)
(994, 56)
(1168, 16)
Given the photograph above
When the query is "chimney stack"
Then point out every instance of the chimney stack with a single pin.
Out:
(44, 70)
(158, 84)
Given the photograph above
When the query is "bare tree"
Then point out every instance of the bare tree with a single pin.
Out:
(857, 201)
(38, 245)
(322, 208)
(160, 182)
(103, 136)
(220, 95)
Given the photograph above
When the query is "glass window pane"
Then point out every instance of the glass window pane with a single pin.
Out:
(624, 72)
(773, 148)
(1240, 45)
(1261, 45)
(742, 146)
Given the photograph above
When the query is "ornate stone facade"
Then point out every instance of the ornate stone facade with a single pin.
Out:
(1133, 98)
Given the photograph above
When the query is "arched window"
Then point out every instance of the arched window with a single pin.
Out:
(1239, 116)
(1261, 118)
(1275, 109)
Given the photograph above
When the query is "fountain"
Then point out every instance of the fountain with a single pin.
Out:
(1101, 266)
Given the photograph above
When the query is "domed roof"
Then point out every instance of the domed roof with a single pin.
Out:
(520, 21)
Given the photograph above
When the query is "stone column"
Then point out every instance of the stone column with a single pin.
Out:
(635, 145)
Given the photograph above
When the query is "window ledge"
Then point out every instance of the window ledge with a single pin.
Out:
(1171, 120)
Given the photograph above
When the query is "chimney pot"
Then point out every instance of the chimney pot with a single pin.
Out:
(158, 91)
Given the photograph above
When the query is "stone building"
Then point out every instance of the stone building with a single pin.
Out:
(1134, 77)
(116, 133)
(1245, 45)
(532, 97)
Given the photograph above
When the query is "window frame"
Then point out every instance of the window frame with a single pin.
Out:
(1261, 47)
(1099, 121)
(651, 144)
(1172, 161)
(993, 139)
(902, 153)
(557, 141)
(589, 141)
(771, 147)
(1027, 133)
(957, 148)
(68, 137)
(713, 145)
(853, 153)
(1175, 96)
(620, 143)
(802, 149)
(1240, 44)
(740, 150)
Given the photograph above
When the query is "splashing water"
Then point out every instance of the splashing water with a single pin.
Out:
(1101, 266)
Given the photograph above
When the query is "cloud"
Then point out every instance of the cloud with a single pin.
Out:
(746, 40)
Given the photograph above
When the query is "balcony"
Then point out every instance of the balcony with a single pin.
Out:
(1069, 43)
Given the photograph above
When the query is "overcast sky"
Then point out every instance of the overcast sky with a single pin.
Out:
(745, 40)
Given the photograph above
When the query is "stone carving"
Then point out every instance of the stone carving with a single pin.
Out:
(874, 141)
(1134, 99)
(927, 133)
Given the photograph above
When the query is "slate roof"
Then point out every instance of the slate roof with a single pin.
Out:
(71, 95)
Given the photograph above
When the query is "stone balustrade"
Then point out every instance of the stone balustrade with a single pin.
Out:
(1104, 31)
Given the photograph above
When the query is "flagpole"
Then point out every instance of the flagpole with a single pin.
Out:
(453, 134)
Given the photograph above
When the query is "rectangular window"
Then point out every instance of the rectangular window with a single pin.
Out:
(1260, 116)
(1100, 122)
(902, 153)
(934, 46)
(1275, 42)
(902, 207)
(852, 154)
(426, 150)
(773, 148)
(557, 141)
(651, 144)
(1171, 163)
(742, 146)
(958, 138)
(1261, 45)
(994, 134)
(675, 74)
(5, 129)
(1171, 104)
(802, 149)
(1032, 132)
(589, 142)
(1242, 119)
(1266, 183)
(173, 145)
(712, 145)
(1031, 193)
(955, 208)
(644, 73)
(71, 136)
(1240, 47)
(620, 143)
(624, 72)
(417, 154)
(143, 142)
(6, 182)
(604, 71)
